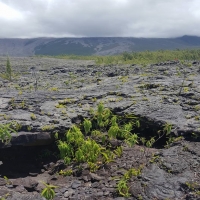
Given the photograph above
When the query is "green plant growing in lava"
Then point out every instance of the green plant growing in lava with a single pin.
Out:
(122, 185)
(8, 69)
(102, 115)
(48, 192)
(5, 133)
(87, 125)
(123, 188)
(78, 147)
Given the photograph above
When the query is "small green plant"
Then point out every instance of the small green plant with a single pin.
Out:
(75, 137)
(113, 131)
(4, 197)
(194, 187)
(93, 166)
(197, 108)
(56, 135)
(15, 125)
(132, 140)
(66, 150)
(8, 69)
(48, 192)
(102, 115)
(139, 197)
(125, 131)
(53, 89)
(68, 172)
(167, 128)
(154, 159)
(132, 172)
(87, 125)
(47, 127)
(89, 150)
(195, 135)
(118, 151)
(107, 156)
(96, 133)
(123, 188)
(5, 133)
(94, 99)
(29, 128)
(149, 143)
(33, 117)
(60, 106)
(20, 92)
(66, 82)
(8, 182)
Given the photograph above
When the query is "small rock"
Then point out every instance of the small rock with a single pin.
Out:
(33, 174)
(95, 184)
(9, 186)
(106, 193)
(85, 178)
(26, 182)
(68, 193)
(95, 177)
(100, 193)
(62, 190)
(2, 181)
(76, 184)
(58, 166)
(20, 189)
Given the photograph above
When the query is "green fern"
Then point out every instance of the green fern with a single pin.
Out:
(74, 136)
(132, 140)
(123, 188)
(87, 125)
(167, 128)
(118, 151)
(65, 149)
(113, 131)
(5, 133)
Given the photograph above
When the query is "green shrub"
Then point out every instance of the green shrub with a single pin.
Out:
(5, 133)
(87, 125)
(8, 69)
(123, 188)
(48, 192)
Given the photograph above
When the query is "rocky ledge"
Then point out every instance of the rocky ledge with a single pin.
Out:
(49, 95)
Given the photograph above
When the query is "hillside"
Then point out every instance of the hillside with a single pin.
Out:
(92, 46)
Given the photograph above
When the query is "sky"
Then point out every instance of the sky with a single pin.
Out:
(99, 18)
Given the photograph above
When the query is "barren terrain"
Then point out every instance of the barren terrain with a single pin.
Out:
(48, 95)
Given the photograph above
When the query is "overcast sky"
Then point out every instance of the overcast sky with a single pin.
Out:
(93, 18)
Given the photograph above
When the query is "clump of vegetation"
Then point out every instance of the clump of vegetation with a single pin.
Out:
(8, 69)
(143, 58)
(47, 127)
(48, 192)
(33, 116)
(122, 185)
(5, 133)
(193, 187)
(68, 172)
(91, 142)
(78, 147)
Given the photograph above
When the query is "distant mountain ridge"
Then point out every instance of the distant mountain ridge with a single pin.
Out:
(92, 45)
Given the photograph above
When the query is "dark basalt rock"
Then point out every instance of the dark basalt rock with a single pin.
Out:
(66, 92)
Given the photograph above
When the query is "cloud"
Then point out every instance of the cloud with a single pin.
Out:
(99, 18)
